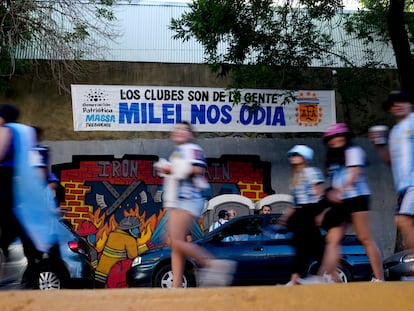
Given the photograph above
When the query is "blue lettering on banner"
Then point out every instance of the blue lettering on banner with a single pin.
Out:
(126, 114)
(198, 113)
(100, 118)
(146, 113)
(226, 114)
(152, 117)
(212, 114)
(169, 111)
(262, 115)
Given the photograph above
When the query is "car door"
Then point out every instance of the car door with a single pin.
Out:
(12, 267)
(279, 250)
(242, 240)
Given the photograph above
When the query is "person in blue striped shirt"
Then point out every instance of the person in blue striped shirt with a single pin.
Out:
(307, 188)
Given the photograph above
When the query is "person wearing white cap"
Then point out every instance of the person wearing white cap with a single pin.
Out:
(306, 185)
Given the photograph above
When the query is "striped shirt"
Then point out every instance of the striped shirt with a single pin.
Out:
(194, 154)
(303, 191)
(401, 146)
(339, 174)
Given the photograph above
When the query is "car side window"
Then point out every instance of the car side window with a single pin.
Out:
(278, 236)
(272, 230)
(246, 229)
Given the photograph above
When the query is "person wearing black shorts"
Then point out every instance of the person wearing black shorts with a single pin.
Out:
(348, 197)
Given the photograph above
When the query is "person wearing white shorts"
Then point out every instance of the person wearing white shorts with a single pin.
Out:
(405, 206)
(399, 153)
(184, 182)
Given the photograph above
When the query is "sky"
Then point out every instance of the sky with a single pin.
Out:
(349, 4)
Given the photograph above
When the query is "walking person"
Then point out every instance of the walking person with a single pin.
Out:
(399, 154)
(183, 185)
(306, 185)
(24, 208)
(348, 197)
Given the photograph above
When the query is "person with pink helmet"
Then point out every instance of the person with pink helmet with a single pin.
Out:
(348, 197)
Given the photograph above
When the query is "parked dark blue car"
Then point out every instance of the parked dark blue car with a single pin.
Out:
(263, 256)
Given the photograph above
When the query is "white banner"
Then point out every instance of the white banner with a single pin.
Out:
(156, 108)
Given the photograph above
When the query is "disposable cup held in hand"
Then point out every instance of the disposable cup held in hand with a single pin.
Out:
(379, 134)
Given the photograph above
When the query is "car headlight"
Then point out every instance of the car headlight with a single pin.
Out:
(408, 258)
(136, 261)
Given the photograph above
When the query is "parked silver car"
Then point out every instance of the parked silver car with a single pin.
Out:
(70, 269)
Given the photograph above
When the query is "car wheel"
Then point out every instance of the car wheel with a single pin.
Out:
(344, 274)
(49, 279)
(164, 278)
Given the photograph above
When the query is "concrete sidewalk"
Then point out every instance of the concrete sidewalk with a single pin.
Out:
(354, 296)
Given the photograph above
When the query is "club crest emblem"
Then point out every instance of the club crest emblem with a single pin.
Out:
(308, 111)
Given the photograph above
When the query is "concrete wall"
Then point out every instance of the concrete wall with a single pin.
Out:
(271, 150)
(43, 105)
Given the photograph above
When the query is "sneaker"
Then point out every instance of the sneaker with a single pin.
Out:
(317, 279)
(312, 279)
(375, 280)
(219, 273)
(327, 278)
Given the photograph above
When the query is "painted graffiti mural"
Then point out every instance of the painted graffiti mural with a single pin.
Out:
(116, 204)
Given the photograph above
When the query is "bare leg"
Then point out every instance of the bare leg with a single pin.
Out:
(362, 226)
(294, 278)
(332, 252)
(179, 224)
(406, 225)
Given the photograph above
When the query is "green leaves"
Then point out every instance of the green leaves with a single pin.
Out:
(62, 30)
(258, 33)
